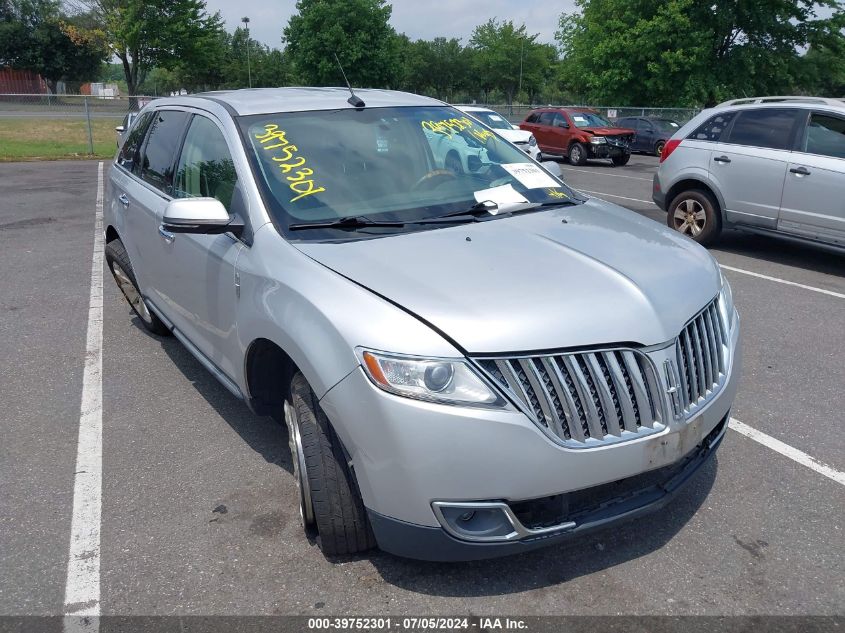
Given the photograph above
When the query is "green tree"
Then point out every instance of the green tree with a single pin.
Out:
(358, 31)
(508, 59)
(36, 35)
(688, 52)
(824, 69)
(144, 34)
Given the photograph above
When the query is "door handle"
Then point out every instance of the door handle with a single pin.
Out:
(167, 236)
(801, 171)
(722, 159)
(124, 199)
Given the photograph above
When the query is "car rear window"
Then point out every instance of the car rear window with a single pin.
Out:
(770, 128)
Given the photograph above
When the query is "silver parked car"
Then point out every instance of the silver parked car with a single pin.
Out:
(772, 165)
(469, 363)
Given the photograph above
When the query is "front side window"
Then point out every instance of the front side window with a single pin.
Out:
(713, 128)
(589, 119)
(128, 156)
(825, 136)
(160, 148)
(388, 165)
(770, 128)
(205, 168)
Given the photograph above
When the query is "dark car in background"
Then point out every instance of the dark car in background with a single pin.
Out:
(651, 132)
(579, 134)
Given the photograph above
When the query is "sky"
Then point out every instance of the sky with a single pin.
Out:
(418, 19)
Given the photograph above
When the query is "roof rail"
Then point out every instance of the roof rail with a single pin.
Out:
(783, 99)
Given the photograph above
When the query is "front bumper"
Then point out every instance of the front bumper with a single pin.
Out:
(407, 454)
(606, 150)
(435, 544)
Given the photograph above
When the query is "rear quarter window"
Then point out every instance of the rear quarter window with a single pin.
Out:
(713, 128)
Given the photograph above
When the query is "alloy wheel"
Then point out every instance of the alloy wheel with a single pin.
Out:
(690, 217)
(575, 154)
(300, 475)
(131, 293)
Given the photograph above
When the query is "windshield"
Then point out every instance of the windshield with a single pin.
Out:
(589, 119)
(493, 120)
(388, 165)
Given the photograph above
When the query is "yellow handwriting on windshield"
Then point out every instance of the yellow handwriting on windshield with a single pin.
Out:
(273, 138)
(450, 127)
(554, 193)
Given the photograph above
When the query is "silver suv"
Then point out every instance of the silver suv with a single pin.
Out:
(773, 165)
(470, 362)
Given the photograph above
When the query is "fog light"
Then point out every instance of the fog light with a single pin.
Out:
(475, 522)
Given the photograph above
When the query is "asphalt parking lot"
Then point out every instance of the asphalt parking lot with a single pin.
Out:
(198, 500)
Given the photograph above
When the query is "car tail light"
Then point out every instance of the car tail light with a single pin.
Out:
(670, 146)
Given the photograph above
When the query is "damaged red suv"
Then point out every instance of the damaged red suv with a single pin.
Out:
(578, 134)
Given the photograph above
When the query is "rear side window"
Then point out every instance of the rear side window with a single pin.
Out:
(128, 157)
(160, 148)
(532, 118)
(205, 166)
(772, 128)
(546, 118)
(825, 136)
(712, 129)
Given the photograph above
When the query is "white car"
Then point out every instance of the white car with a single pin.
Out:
(522, 139)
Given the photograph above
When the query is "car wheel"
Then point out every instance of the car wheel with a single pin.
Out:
(695, 214)
(118, 263)
(577, 154)
(619, 161)
(658, 148)
(329, 501)
(453, 163)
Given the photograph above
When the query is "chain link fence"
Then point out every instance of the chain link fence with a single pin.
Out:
(517, 112)
(62, 126)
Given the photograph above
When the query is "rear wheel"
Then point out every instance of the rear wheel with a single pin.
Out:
(695, 213)
(329, 501)
(658, 148)
(577, 154)
(619, 161)
(118, 262)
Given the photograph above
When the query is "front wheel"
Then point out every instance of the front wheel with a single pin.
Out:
(695, 214)
(121, 269)
(329, 500)
(619, 161)
(577, 154)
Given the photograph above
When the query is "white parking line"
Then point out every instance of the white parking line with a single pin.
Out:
(602, 193)
(787, 451)
(601, 173)
(82, 590)
(785, 282)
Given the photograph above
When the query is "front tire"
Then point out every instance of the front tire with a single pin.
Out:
(121, 269)
(621, 161)
(330, 502)
(577, 154)
(695, 213)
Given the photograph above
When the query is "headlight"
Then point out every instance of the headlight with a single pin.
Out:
(445, 380)
(532, 141)
(598, 140)
(726, 301)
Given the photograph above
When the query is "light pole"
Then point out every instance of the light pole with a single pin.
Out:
(245, 20)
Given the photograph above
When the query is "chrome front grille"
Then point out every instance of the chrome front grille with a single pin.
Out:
(586, 398)
(701, 352)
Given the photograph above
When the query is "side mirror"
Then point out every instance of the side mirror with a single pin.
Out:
(551, 166)
(204, 216)
(120, 129)
(563, 124)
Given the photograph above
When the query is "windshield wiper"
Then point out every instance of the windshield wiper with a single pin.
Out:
(349, 223)
(352, 223)
(488, 207)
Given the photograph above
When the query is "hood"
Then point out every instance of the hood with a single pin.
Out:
(514, 136)
(532, 282)
(609, 131)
